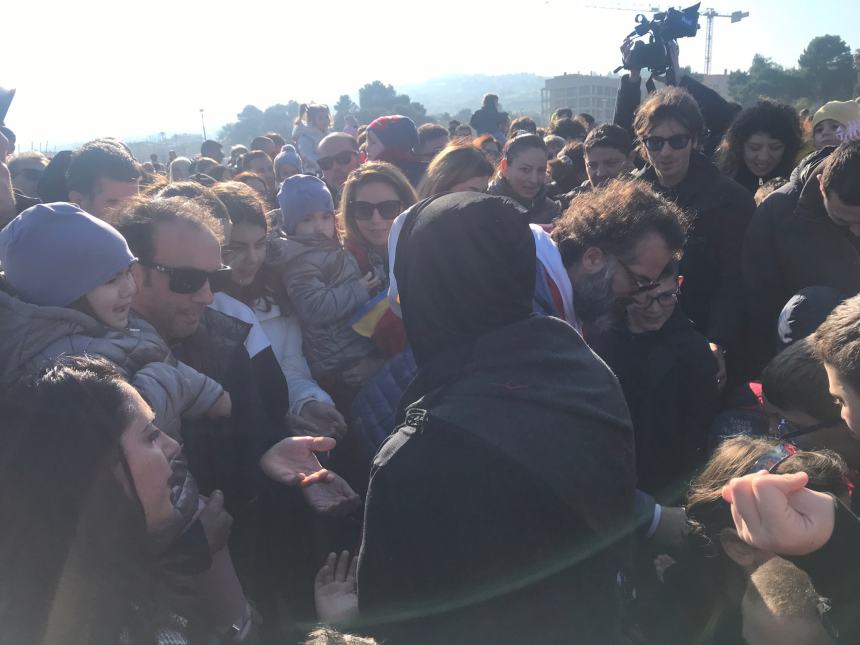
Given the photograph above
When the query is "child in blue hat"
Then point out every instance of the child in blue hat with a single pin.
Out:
(324, 284)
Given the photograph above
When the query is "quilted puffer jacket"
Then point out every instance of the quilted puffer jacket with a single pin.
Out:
(322, 281)
(31, 337)
(374, 410)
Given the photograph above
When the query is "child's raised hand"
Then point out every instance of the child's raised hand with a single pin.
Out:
(370, 282)
(335, 591)
(777, 513)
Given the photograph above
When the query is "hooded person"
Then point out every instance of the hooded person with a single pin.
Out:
(523, 420)
(394, 139)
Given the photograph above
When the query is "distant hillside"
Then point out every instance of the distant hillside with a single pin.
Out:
(517, 92)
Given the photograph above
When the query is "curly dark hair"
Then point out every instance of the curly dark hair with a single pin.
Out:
(775, 119)
(614, 218)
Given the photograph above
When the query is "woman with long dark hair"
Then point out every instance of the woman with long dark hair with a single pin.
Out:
(85, 480)
(253, 284)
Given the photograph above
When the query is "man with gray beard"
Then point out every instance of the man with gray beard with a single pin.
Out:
(617, 242)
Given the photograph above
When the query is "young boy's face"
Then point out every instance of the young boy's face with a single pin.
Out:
(603, 163)
(650, 311)
(847, 398)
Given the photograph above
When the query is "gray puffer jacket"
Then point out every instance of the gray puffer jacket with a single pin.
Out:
(322, 281)
(32, 337)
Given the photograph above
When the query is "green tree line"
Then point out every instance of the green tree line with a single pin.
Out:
(826, 71)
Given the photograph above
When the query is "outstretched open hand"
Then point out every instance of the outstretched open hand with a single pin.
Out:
(335, 591)
(332, 496)
(293, 461)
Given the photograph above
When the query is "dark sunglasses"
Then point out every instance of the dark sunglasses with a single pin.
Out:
(342, 158)
(676, 142)
(185, 280)
(388, 209)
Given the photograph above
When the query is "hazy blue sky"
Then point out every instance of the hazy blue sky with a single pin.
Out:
(112, 67)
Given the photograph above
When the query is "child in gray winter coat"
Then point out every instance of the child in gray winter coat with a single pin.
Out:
(66, 289)
(323, 282)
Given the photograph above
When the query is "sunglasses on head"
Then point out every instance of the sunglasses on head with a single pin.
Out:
(676, 142)
(773, 458)
(342, 158)
(387, 209)
(187, 281)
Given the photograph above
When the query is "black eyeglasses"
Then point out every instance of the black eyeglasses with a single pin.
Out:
(664, 299)
(387, 209)
(342, 158)
(642, 283)
(186, 280)
(676, 142)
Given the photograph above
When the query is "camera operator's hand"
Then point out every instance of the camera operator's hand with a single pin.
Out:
(674, 50)
(673, 73)
(626, 48)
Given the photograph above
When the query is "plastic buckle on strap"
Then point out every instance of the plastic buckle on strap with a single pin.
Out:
(416, 418)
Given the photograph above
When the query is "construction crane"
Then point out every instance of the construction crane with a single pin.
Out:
(709, 14)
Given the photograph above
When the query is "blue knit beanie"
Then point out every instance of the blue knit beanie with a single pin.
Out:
(300, 196)
(54, 254)
(288, 155)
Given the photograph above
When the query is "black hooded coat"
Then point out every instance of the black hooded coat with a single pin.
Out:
(499, 511)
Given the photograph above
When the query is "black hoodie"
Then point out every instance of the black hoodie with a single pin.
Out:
(500, 511)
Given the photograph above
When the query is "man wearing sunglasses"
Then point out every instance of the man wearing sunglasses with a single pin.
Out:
(338, 156)
(672, 133)
(178, 244)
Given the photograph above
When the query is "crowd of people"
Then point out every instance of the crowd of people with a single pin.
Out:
(493, 382)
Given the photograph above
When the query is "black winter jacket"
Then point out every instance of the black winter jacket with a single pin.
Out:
(541, 209)
(519, 466)
(791, 245)
(720, 211)
(668, 378)
(486, 121)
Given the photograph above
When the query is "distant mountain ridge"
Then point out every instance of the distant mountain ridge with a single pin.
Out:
(452, 93)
